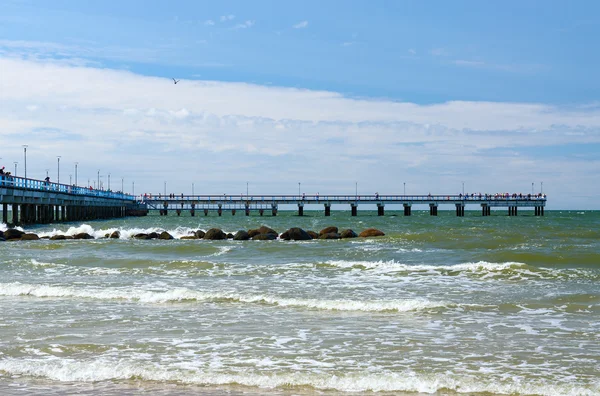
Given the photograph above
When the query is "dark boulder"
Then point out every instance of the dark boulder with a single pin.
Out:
(312, 234)
(267, 230)
(298, 234)
(153, 235)
(371, 232)
(328, 230)
(115, 235)
(285, 235)
(348, 234)
(165, 235)
(29, 237)
(189, 237)
(83, 235)
(13, 233)
(241, 235)
(58, 237)
(229, 235)
(253, 233)
(199, 234)
(215, 234)
(264, 237)
(330, 235)
(141, 236)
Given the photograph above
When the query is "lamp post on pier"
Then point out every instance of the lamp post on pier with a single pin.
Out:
(16, 168)
(532, 188)
(404, 188)
(299, 189)
(47, 172)
(463, 189)
(122, 185)
(58, 169)
(246, 190)
(542, 188)
(98, 178)
(192, 190)
(109, 181)
(165, 188)
(25, 158)
(76, 163)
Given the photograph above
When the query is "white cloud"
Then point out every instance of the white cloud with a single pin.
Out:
(412, 51)
(301, 25)
(209, 22)
(225, 18)
(245, 25)
(150, 129)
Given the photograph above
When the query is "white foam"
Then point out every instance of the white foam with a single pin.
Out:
(103, 369)
(183, 294)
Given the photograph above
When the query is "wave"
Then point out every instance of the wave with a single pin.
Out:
(125, 233)
(103, 369)
(483, 269)
(187, 295)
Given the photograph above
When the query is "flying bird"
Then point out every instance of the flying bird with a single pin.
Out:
(175, 81)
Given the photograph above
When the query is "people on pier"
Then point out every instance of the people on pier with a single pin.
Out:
(376, 195)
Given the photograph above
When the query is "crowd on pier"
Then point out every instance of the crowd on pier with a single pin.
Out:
(502, 196)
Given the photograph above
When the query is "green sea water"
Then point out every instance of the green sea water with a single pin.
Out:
(439, 305)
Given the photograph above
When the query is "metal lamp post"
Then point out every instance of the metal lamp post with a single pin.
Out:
(16, 168)
(58, 169)
(25, 158)
(76, 163)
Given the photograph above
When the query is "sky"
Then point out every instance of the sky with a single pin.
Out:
(334, 95)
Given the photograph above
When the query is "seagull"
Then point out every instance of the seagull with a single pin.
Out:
(175, 81)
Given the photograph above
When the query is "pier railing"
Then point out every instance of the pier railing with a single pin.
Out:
(44, 186)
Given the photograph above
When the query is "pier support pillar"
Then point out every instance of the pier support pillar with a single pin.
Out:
(15, 214)
(380, 209)
(460, 210)
(261, 211)
(247, 210)
(354, 209)
(5, 213)
(192, 212)
(178, 211)
(220, 210)
(327, 209)
(233, 212)
(485, 210)
(407, 209)
(433, 209)
(541, 210)
(205, 212)
(300, 209)
(274, 210)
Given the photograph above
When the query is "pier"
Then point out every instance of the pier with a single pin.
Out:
(40, 202)
(262, 204)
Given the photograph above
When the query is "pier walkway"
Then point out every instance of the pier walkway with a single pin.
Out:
(40, 202)
(262, 203)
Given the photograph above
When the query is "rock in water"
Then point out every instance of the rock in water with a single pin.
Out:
(199, 234)
(215, 234)
(330, 235)
(115, 235)
(328, 230)
(29, 237)
(371, 232)
(298, 234)
(241, 235)
(83, 235)
(12, 233)
(348, 234)
(165, 235)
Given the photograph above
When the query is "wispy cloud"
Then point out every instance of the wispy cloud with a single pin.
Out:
(225, 18)
(247, 24)
(412, 51)
(348, 43)
(301, 25)
(513, 68)
(209, 22)
(439, 52)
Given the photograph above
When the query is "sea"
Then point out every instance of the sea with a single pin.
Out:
(440, 305)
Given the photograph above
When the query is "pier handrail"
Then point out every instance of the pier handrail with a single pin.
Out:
(42, 185)
(372, 198)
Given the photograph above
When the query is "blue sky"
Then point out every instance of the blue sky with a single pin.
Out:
(437, 92)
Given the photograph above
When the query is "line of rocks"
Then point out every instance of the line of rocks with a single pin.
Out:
(263, 233)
